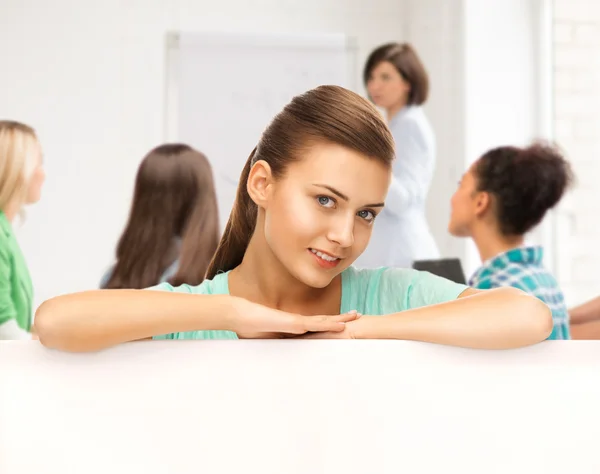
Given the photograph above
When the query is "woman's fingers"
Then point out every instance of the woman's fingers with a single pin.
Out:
(335, 323)
(349, 316)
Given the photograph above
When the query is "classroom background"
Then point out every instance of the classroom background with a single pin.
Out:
(92, 78)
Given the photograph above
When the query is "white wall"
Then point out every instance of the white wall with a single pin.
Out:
(298, 407)
(435, 27)
(90, 77)
(577, 129)
(484, 59)
(500, 83)
(503, 78)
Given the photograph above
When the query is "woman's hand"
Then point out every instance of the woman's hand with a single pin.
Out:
(350, 331)
(252, 320)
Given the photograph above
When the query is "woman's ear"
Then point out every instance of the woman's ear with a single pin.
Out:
(259, 183)
(483, 202)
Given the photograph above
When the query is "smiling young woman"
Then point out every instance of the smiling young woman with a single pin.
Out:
(304, 211)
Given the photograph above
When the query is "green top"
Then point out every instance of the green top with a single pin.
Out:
(16, 288)
(370, 292)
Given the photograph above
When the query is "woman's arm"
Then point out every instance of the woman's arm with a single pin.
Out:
(589, 331)
(94, 320)
(502, 318)
(585, 312)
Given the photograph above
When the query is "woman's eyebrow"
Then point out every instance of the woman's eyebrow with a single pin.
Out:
(343, 196)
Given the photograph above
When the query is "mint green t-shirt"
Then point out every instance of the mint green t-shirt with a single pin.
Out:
(370, 292)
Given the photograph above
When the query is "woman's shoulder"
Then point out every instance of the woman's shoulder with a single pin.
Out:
(6, 233)
(10, 251)
(412, 123)
(5, 246)
(219, 285)
(387, 290)
(412, 117)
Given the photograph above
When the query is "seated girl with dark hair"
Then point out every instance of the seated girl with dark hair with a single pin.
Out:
(173, 228)
(503, 196)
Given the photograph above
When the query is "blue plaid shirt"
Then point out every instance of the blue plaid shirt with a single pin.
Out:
(522, 268)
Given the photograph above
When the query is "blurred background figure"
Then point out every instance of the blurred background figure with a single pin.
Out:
(397, 82)
(585, 320)
(21, 179)
(173, 227)
(503, 196)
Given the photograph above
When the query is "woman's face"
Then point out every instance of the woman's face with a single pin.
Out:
(319, 216)
(386, 86)
(467, 205)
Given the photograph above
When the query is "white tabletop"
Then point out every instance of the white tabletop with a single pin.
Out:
(287, 407)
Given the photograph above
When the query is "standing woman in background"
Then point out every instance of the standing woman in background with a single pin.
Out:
(397, 82)
(173, 227)
(21, 179)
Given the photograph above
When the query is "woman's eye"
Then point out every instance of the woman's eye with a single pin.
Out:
(325, 201)
(366, 215)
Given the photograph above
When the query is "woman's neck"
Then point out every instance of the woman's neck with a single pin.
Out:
(395, 110)
(491, 243)
(10, 211)
(263, 279)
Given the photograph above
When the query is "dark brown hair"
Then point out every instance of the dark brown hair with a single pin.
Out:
(173, 216)
(524, 184)
(327, 114)
(407, 62)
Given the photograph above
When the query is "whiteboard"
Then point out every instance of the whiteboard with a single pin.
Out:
(223, 90)
(300, 407)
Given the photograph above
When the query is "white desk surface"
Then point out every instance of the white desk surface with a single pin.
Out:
(287, 407)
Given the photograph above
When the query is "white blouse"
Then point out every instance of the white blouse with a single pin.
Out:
(401, 234)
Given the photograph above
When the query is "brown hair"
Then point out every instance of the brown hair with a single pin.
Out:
(174, 198)
(524, 183)
(327, 114)
(407, 62)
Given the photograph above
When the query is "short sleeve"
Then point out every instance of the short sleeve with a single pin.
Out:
(217, 286)
(510, 275)
(427, 289)
(391, 290)
(403, 289)
(164, 286)
(501, 281)
(485, 284)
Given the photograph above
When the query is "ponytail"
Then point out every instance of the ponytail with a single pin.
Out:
(239, 229)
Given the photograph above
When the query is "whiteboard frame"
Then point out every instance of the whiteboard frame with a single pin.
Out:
(176, 39)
